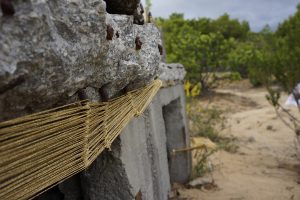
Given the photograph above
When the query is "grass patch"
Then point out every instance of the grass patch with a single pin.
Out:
(228, 144)
(208, 122)
(204, 122)
(203, 165)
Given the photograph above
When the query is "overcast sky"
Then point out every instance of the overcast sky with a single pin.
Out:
(257, 12)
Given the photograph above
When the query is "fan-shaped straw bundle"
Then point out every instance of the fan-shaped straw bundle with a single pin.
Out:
(40, 150)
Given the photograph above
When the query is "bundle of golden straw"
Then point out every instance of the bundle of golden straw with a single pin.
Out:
(40, 150)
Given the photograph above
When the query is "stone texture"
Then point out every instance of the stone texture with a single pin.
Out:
(127, 7)
(144, 155)
(71, 189)
(177, 138)
(171, 74)
(51, 49)
(147, 143)
(141, 161)
(55, 52)
(106, 178)
(139, 15)
(176, 129)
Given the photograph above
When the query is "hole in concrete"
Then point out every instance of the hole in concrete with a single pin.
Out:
(103, 91)
(7, 8)
(81, 95)
(160, 49)
(52, 194)
(176, 139)
(127, 7)
(138, 43)
(12, 84)
(109, 32)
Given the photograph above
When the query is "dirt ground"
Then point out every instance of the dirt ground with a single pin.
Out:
(266, 166)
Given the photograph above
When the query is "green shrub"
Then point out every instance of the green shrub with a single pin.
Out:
(235, 76)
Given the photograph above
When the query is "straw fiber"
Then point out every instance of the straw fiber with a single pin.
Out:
(41, 150)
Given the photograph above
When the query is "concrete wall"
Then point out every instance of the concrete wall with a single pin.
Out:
(141, 162)
(57, 52)
(146, 146)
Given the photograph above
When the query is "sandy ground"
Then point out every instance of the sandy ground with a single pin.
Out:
(266, 166)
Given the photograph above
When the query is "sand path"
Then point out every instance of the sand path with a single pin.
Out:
(266, 166)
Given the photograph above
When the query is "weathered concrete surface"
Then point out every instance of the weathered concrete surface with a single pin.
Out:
(106, 177)
(171, 73)
(55, 52)
(179, 167)
(147, 144)
(141, 159)
(127, 7)
(144, 155)
(51, 49)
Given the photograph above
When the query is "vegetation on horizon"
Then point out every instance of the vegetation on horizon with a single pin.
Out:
(206, 46)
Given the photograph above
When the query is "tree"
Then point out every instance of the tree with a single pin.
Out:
(205, 46)
(242, 58)
(289, 52)
(148, 4)
(231, 28)
(282, 66)
(202, 53)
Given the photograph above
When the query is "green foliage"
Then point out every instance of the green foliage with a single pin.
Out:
(230, 28)
(235, 76)
(280, 65)
(228, 144)
(206, 46)
(201, 45)
(287, 72)
(204, 121)
(278, 59)
(208, 122)
(241, 58)
(273, 98)
(230, 76)
(201, 167)
(148, 4)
